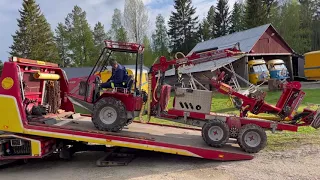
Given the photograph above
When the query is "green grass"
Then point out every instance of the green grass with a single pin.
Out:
(278, 141)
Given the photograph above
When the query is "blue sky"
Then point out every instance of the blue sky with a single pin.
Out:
(97, 10)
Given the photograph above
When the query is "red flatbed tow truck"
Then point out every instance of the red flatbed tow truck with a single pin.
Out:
(26, 136)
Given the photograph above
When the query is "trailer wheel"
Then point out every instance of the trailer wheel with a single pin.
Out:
(252, 138)
(215, 133)
(109, 114)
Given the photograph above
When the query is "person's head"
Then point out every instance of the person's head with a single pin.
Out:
(113, 63)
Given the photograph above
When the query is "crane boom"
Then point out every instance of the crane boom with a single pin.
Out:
(196, 57)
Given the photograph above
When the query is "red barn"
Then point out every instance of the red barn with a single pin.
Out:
(259, 42)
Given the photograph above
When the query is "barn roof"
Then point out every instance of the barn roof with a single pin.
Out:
(247, 40)
(75, 72)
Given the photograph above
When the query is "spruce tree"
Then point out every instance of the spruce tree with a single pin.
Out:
(99, 36)
(183, 30)
(211, 21)
(81, 38)
(119, 33)
(255, 13)
(62, 41)
(204, 30)
(160, 37)
(148, 54)
(236, 18)
(222, 18)
(34, 38)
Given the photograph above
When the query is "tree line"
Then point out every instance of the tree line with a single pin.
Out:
(74, 43)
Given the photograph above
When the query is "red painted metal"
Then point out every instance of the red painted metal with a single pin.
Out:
(123, 46)
(288, 102)
(204, 153)
(165, 97)
(233, 121)
(131, 102)
(33, 88)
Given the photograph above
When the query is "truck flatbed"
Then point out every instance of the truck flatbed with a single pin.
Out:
(153, 137)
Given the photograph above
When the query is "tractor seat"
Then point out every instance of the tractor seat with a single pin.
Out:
(127, 86)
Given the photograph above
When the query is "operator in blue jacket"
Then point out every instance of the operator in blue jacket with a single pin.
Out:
(119, 76)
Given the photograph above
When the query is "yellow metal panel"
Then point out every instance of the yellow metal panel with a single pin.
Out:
(253, 78)
(35, 148)
(256, 61)
(39, 75)
(312, 52)
(65, 136)
(111, 142)
(312, 65)
(10, 115)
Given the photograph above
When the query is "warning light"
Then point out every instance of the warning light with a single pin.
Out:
(6, 127)
(108, 140)
(221, 156)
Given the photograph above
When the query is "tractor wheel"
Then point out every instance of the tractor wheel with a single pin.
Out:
(109, 114)
(215, 133)
(252, 138)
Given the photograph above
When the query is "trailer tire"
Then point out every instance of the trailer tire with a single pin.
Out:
(215, 133)
(113, 108)
(252, 138)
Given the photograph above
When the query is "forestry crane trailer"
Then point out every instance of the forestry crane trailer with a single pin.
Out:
(192, 106)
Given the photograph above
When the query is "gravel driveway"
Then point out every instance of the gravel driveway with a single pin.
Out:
(302, 163)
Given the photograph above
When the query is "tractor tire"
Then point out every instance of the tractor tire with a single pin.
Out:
(129, 121)
(109, 114)
(215, 133)
(252, 138)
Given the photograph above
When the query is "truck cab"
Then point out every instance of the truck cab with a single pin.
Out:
(277, 69)
(258, 71)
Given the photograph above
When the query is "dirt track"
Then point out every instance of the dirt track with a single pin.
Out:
(302, 163)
